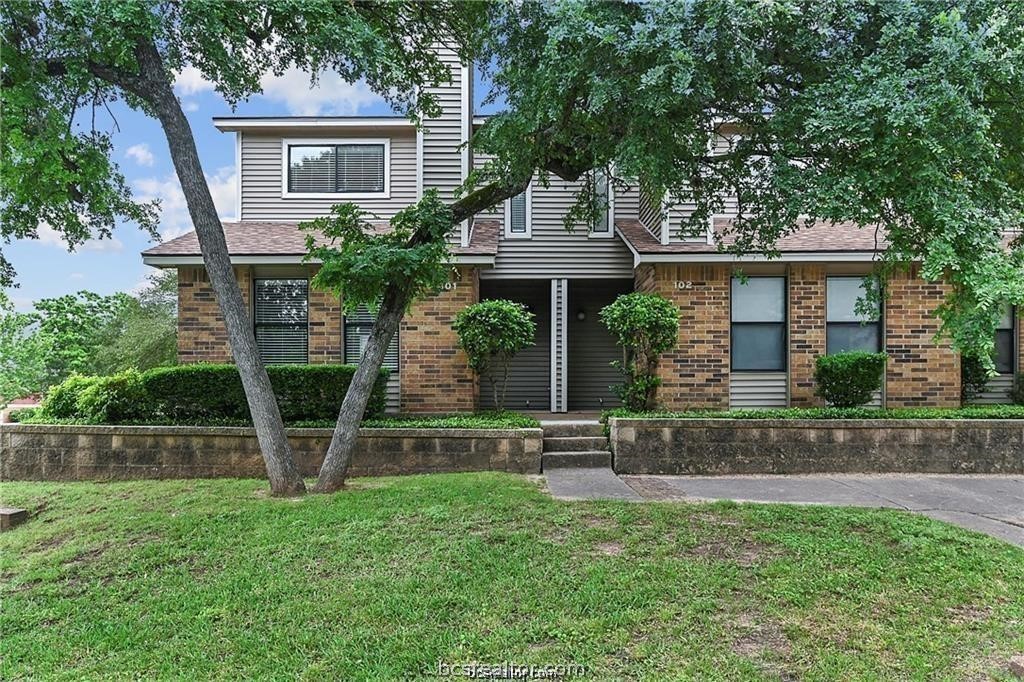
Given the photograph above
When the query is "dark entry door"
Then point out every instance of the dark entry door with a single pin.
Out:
(529, 381)
(591, 349)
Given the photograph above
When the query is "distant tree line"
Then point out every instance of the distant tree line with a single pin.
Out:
(86, 333)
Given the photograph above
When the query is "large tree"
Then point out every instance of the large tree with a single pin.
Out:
(63, 58)
(898, 117)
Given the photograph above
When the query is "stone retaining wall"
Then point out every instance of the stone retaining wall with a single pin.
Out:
(804, 446)
(80, 453)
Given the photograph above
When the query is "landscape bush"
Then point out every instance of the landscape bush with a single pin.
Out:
(849, 379)
(491, 333)
(645, 325)
(972, 412)
(202, 394)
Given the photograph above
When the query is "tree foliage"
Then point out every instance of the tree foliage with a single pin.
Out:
(492, 333)
(902, 118)
(359, 260)
(645, 325)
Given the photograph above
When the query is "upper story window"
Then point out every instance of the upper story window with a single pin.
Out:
(280, 320)
(518, 210)
(604, 199)
(846, 329)
(350, 168)
(1004, 357)
(759, 324)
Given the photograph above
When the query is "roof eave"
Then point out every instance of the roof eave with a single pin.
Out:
(173, 261)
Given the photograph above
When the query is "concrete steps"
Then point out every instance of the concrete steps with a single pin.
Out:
(575, 445)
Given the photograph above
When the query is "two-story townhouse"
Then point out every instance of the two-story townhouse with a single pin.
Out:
(744, 341)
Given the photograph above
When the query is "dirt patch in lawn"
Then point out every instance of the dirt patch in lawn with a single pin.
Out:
(744, 552)
(609, 548)
(762, 640)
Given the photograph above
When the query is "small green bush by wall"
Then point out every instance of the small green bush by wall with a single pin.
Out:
(849, 379)
(491, 333)
(61, 400)
(113, 399)
(645, 325)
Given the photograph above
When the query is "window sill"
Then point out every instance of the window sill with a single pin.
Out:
(335, 195)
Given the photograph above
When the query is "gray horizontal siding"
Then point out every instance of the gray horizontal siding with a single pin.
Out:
(757, 389)
(554, 251)
(261, 179)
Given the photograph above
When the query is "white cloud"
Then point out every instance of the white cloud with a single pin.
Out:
(190, 81)
(331, 96)
(50, 237)
(174, 218)
(190, 105)
(76, 275)
(140, 153)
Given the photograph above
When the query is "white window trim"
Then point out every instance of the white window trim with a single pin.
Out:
(509, 234)
(313, 141)
(611, 216)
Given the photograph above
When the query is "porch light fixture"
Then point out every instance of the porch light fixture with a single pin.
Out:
(581, 314)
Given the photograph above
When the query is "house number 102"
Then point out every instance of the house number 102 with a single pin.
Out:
(684, 284)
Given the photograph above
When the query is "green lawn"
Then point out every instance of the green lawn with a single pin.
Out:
(200, 579)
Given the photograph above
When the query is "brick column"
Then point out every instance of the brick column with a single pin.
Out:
(920, 373)
(435, 374)
(202, 336)
(806, 331)
(696, 373)
(325, 320)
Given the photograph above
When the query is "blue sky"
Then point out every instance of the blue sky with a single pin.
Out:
(45, 268)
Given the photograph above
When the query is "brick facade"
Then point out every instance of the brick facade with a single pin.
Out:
(806, 331)
(325, 322)
(435, 373)
(202, 336)
(920, 372)
(696, 373)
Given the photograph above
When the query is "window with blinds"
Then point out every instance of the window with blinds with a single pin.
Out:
(517, 215)
(847, 328)
(337, 168)
(280, 320)
(357, 332)
(759, 324)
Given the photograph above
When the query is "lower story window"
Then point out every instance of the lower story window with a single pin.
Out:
(358, 326)
(848, 328)
(759, 324)
(281, 320)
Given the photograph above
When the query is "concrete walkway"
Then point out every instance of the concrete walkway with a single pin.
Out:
(989, 504)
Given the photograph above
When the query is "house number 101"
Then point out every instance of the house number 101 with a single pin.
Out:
(448, 286)
(684, 284)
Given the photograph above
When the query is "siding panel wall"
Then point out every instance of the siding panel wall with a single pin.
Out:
(261, 178)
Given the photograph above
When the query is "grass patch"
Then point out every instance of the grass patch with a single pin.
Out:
(207, 579)
(973, 412)
(484, 420)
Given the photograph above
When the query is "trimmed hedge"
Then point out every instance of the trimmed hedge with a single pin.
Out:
(849, 379)
(203, 393)
(974, 412)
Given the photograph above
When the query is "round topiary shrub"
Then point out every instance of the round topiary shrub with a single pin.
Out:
(645, 325)
(491, 333)
(849, 379)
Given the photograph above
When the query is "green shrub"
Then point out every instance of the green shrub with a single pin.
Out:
(196, 392)
(491, 333)
(113, 399)
(23, 414)
(973, 378)
(645, 325)
(203, 392)
(61, 400)
(849, 379)
(316, 391)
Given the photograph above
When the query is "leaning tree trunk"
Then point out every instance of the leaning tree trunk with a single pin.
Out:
(396, 298)
(346, 430)
(153, 86)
